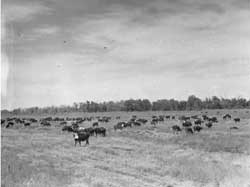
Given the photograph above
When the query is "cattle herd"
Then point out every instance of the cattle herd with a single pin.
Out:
(187, 124)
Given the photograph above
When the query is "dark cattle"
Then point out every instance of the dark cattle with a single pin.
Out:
(142, 121)
(2, 121)
(237, 120)
(209, 124)
(187, 124)
(81, 137)
(213, 119)
(204, 117)
(95, 124)
(197, 128)
(227, 116)
(45, 123)
(198, 122)
(67, 128)
(63, 123)
(167, 117)
(136, 123)
(173, 117)
(32, 120)
(26, 124)
(194, 117)
(119, 125)
(10, 124)
(234, 128)
(176, 128)
(89, 130)
(189, 130)
(100, 130)
(128, 124)
(75, 126)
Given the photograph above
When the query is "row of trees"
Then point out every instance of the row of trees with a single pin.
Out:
(192, 103)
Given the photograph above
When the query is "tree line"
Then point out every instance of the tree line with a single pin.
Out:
(192, 103)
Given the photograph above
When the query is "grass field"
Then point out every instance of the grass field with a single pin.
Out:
(138, 156)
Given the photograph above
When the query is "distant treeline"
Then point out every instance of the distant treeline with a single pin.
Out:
(192, 103)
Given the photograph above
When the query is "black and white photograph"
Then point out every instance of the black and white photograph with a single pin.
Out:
(125, 93)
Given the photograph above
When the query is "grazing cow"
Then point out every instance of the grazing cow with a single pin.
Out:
(234, 128)
(168, 117)
(119, 125)
(142, 121)
(197, 128)
(95, 124)
(213, 119)
(45, 123)
(227, 116)
(187, 124)
(209, 124)
(100, 130)
(176, 128)
(128, 124)
(237, 120)
(63, 123)
(198, 122)
(136, 123)
(205, 117)
(26, 124)
(10, 124)
(80, 137)
(89, 130)
(67, 128)
(189, 130)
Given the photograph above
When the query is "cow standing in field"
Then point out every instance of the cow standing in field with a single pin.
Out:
(176, 128)
(100, 130)
(237, 120)
(227, 116)
(81, 137)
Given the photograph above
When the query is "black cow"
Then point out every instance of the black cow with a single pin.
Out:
(209, 124)
(198, 122)
(45, 123)
(136, 123)
(213, 119)
(227, 116)
(119, 125)
(237, 120)
(89, 130)
(68, 128)
(234, 128)
(10, 124)
(95, 124)
(176, 128)
(100, 130)
(2, 121)
(197, 128)
(187, 124)
(189, 130)
(81, 137)
(26, 124)
(128, 124)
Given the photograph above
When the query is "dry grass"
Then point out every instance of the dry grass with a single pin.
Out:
(140, 156)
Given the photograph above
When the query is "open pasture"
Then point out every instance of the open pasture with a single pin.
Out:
(143, 155)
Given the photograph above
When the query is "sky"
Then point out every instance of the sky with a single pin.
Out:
(56, 52)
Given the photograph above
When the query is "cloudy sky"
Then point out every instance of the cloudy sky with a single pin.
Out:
(60, 51)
